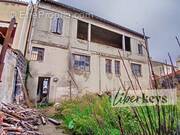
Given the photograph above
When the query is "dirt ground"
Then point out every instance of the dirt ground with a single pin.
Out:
(50, 129)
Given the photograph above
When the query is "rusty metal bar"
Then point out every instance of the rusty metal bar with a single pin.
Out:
(70, 89)
(172, 66)
(149, 58)
(126, 70)
(136, 78)
(73, 80)
(178, 41)
(168, 77)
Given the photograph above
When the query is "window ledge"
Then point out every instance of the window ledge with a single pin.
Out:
(143, 55)
(60, 34)
(109, 75)
(37, 61)
(82, 41)
(128, 51)
(81, 71)
(118, 75)
(139, 76)
(51, 33)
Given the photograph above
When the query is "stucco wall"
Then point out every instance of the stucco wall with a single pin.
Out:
(55, 64)
(162, 69)
(22, 15)
(56, 59)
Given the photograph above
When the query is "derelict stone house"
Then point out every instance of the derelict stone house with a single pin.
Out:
(13, 57)
(72, 52)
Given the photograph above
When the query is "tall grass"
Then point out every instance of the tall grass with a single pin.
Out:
(94, 115)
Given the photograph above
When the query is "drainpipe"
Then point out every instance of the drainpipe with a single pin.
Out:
(69, 43)
(29, 34)
(89, 36)
(25, 24)
(149, 60)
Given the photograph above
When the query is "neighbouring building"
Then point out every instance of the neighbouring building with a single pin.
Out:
(72, 52)
(166, 76)
(171, 80)
(10, 83)
(162, 68)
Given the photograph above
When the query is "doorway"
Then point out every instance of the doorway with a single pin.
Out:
(43, 89)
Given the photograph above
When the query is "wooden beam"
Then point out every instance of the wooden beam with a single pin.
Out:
(6, 45)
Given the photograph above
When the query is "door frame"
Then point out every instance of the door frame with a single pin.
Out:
(40, 85)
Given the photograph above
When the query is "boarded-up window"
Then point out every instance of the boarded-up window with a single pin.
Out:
(82, 30)
(108, 66)
(136, 69)
(81, 62)
(117, 67)
(57, 25)
(37, 54)
(127, 44)
(106, 37)
(140, 49)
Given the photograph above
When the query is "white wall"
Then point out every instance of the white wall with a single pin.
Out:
(56, 59)
(21, 13)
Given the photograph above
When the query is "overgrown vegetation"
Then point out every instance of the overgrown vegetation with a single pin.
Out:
(94, 115)
(28, 73)
(45, 105)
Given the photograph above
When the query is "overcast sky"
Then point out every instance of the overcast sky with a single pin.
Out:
(160, 18)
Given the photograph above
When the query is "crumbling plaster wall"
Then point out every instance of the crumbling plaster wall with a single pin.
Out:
(8, 78)
(56, 57)
(54, 65)
(22, 15)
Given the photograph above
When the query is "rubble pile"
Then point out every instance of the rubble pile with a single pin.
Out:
(19, 120)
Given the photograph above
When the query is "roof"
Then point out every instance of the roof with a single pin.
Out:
(94, 17)
(157, 63)
(20, 2)
(177, 73)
